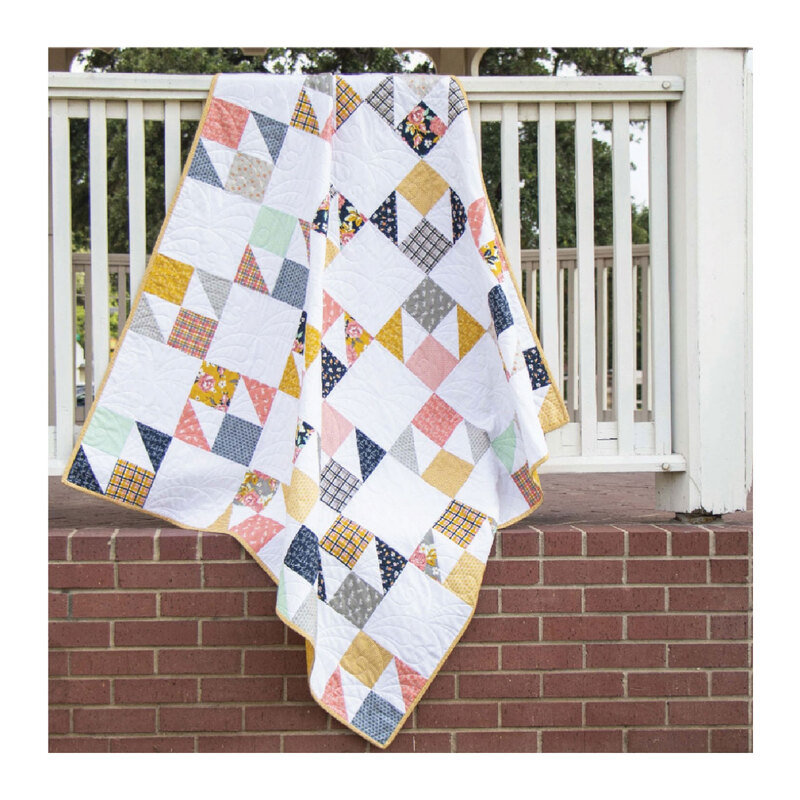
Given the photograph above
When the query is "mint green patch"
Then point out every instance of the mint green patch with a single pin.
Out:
(108, 431)
(273, 230)
(505, 446)
(280, 603)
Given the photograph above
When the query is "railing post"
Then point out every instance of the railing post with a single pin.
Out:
(709, 289)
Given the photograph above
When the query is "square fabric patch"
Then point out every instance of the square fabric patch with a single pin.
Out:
(329, 362)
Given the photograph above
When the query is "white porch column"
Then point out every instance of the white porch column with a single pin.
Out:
(710, 279)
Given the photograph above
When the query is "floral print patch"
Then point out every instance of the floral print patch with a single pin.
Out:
(350, 220)
(256, 491)
(421, 129)
(214, 386)
(356, 339)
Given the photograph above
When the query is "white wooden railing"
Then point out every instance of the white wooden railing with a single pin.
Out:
(624, 425)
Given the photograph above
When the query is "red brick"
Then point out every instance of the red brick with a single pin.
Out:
(520, 543)
(177, 545)
(667, 626)
(285, 718)
(199, 718)
(199, 662)
(81, 576)
(729, 570)
(579, 571)
(78, 744)
(605, 543)
(57, 662)
(690, 543)
(414, 742)
(58, 720)
(155, 633)
(541, 600)
(667, 684)
(730, 741)
(57, 605)
(730, 683)
(667, 570)
(79, 692)
(443, 687)
(153, 744)
(563, 543)
(114, 720)
(583, 684)
(246, 574)
(58, 545)
(502, 629)
(542, 656)
(257, 743)
(729, 627)
(708, 655)
(275, 662)
(708, 599)
(297, 690)
(488, 602)
(582, 629)
(631, 712)
(113, 605)
(511, 573)
(626, 655)
(324, 743)
(159, 576)
(471, 658)
(462, 715)
(581, 741)
(668, 741)
(624, 599)
(261, 604)
(708, 712)
(155, 690)
(119, 662)
(731, 543)
(291, 637)
(202, 604)
(647, 543)
(91, 545)
(134, 545)
(221, 547)
(497, 742)
(499, 685)
(231, 690)
(79, 634)
(540, 715)
(243, 632)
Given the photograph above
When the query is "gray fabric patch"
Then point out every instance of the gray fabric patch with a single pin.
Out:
(428, 304)
(216, 289)
(356, 600)
(405, 451)
(144, 321)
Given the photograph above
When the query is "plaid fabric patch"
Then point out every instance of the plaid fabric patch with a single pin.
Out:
(346, 540)
(456, 102)
(249, 274)
(337, 485)
(192, 333)
(530, 491)
(347, 101)
(460, 523)
(425, 246)
(130, 483)
(304, 116)
(382, 99)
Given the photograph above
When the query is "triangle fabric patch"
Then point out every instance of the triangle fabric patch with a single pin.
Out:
(347, 101)
(81, 473)
(216, 289)
(410, 680)
(144, 321)
(201, 168)
(261, 396)
(248, 274)
(405, 451)
(392, 564)
(304, 116)
(391, 334)
(385, 217)
(333, 695)
(369, 454)
(155, 442)
(469, 331)
(274, 133)
(189, 430)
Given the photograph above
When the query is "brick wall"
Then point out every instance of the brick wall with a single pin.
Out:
(593, 639)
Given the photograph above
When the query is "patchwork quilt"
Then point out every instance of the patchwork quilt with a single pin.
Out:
(329, 360)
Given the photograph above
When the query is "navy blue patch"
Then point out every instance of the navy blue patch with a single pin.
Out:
(385, 217)
(501, 313)
(155, 442)
(236, 440)
(303, 555)
(201, 168)
(391, 564)
(369, 454)
(273, 132)
(377, 717)
(459, 216)
(536, 370)
(332, 371)
(81, 473)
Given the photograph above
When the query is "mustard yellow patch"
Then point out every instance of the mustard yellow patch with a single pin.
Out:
(447, 473)
(365, 659)
(313, 339)
(300, 495)
(465, 579)
(290, 382)
(391, 335)
(422, 187)
(469, 331)
(168, 279)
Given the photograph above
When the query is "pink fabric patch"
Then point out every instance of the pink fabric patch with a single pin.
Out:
(431, 363)
(418, 559)
(437, 420)
(333, 695)
(261, 396)
(189, 429)
(258, 530)
(411, 682)
(225, 123)
(475, 215)
(331, 311)
(335, 429)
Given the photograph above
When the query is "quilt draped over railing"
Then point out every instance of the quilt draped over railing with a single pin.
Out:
(329, 360)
